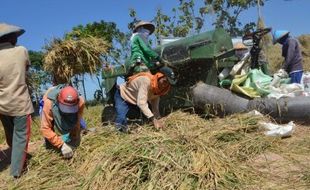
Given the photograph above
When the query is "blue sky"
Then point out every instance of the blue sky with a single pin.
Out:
(45, 19)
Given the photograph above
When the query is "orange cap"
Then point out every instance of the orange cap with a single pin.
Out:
(68, 100)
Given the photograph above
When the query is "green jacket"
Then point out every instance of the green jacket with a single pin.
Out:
(141, 48)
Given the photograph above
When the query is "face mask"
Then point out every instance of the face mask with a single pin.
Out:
(240, 53)
(144, 32)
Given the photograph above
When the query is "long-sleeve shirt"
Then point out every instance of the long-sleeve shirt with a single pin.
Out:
(47, 122)
(14, 95)
(142, 49)
(138, 92)
(292, 54)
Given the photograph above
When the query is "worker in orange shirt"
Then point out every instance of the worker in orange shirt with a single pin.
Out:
(138, 91)
(62, 110)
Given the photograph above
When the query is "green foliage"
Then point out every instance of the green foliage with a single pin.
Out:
(188, 18)
(227, 13)
(184, 21)
(37, 77)
(107, 31)
(36, 58)
(162, 27)
(133, 15)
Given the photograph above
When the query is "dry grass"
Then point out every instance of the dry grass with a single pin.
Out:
(191, 153)
(305, 43)
(65, 58)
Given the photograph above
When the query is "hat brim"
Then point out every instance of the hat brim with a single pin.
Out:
(277, 40)
(147, 26)
(68, 109)
(240, 48)
(6, 29)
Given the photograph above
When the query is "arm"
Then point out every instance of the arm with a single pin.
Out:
(47, 125)
(157, 122)
(155, 107)
(290, 54)
(142, 100)
(146, 49)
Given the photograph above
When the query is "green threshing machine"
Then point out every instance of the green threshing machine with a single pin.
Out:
(196, 58)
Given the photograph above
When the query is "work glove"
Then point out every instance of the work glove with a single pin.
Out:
(66, 151)
(281, 73)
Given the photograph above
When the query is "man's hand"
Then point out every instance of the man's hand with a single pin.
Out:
(66, 151)
(158, 123)
(282, 73)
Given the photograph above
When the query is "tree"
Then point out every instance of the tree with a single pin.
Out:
(118, 51)
(37, 78)
(188, 18)
(185, 19)
(227, 14)
(110, 33)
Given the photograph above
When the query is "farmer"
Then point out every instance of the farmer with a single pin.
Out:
(291, 53)
(141, 51)
(63, 109)
(15, 103)
(138, 91)
(240, 50)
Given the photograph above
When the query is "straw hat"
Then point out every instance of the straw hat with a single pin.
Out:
(6, 29)
(146, 25)
(240, 46)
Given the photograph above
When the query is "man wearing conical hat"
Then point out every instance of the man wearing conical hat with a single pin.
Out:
(292, 54)
(240, 50)
(15, 103)
(141, 51)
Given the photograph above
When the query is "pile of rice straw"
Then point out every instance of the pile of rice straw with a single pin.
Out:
(66, 58)
(190, 153)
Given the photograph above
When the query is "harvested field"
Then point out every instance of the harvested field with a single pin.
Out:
(190, 153)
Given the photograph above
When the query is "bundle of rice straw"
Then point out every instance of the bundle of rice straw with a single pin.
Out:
(66, 58)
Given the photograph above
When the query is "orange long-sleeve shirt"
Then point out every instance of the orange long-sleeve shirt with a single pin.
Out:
(47, 128)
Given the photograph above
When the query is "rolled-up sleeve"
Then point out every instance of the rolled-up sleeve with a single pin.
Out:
(142, 100)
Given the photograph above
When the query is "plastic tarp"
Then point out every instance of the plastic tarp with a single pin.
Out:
(257, 84)
(253, 84)
(276, 130)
